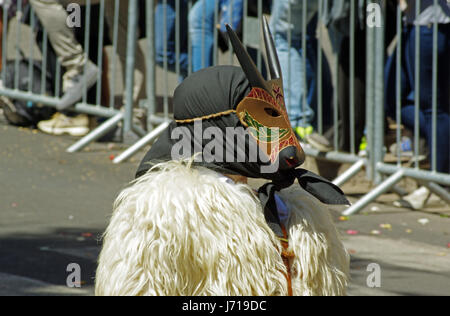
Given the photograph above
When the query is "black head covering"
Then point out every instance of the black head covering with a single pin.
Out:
(217, 90)
(207, 92)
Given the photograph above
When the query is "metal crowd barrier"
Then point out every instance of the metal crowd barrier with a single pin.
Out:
(112, 115)
(384, 175)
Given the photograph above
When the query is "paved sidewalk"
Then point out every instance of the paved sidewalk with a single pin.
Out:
(54, 206)
(406, 267)
(11, 285)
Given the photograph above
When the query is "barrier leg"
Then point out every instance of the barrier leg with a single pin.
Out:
(97, 133)
(399, 191)
(349, 173)
(141, 143)
(439, 191)
(375, 193)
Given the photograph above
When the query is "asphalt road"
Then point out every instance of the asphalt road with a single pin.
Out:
(54, 207)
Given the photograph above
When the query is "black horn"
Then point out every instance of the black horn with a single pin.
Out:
(273, 62)
(252, 73)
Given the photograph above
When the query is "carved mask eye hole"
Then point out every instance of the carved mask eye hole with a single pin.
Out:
(272, 112)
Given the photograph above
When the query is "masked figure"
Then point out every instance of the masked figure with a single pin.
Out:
(186, 226)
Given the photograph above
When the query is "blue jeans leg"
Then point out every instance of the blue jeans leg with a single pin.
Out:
(425, 98)
(201, 30)
(291, 61)
(170, 39)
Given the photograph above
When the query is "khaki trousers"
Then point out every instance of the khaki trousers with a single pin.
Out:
(53, 16)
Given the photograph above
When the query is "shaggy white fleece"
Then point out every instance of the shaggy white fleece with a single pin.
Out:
(180, 230)
(321, 263)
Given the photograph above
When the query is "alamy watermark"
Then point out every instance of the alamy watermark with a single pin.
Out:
(374, 15)
(73, 279)
(374, 278)
(74, 15)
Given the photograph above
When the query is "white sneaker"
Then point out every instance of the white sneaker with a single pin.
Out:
(60, 124)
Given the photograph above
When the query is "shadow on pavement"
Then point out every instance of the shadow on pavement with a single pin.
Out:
(45, 257)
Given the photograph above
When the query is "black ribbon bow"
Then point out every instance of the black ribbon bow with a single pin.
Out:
(322, 189)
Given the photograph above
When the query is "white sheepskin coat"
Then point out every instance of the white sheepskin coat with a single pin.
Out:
(180, 230)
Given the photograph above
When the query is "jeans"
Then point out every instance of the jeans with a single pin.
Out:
(408, 85)
(201, 28)
(170, 52)
(291, 61)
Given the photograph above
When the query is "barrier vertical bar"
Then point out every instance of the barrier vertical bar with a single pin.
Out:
(398, 83)
(58, 77)
(259, 56)
(335, 99)
(151, 67)
(216, 35)
(204, 34)
(434, 94)
(87, 33)
(165, 63)
(230, 18)
(112, 85)
(370, 71)
(177, 39)
(289, 62)
(378, 145)
(31, 52)
(189, 42)
(417, 87)
(130, 63)
(17, 44)
(101, 32)
(352, 76)
(305, 84)
(4, 42)
(319, 71)
(44, 61)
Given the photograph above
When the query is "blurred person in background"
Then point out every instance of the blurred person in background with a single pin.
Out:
(79, 70)
(201, 27)
(429, 14)
(336, 18)
(286, 25)
(166, 14)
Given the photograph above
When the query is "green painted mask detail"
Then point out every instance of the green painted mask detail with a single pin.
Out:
(263, 133)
